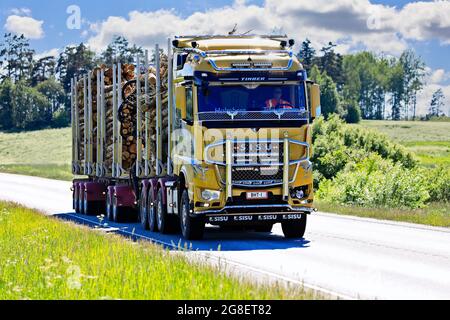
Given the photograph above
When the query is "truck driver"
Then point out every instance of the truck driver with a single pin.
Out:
(276, 102)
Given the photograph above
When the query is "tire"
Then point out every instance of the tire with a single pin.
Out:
(80, 203)
(166, 224)
(109, 206)
(143, 210)
(118, 213)
(192, 228)
(295, 228)
(76, 206)
(151, 212)
(264, 228)
(87, 206)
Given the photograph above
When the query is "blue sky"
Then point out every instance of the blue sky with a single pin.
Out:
(423, 26)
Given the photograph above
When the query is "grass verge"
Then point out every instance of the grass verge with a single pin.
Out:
(50, 171)
(435, 214)
(44, 258)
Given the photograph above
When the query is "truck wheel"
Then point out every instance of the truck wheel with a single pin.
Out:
(88, 210)
(294, 228)
(76, 206)
(165, 223)
(118, 213)
(264, 228)
(80, 203)
(191, 228)
(151, 212)
(143, 215)
(109, 215)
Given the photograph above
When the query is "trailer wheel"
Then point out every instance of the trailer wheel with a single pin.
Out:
(118, 213)
(166, 224)
(143, 215)
(151, 212)
(191, 228)
(109, 215)
(294, 228)
(76, 206)
(80, 203)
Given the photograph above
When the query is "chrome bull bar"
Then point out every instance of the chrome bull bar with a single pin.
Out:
(286, 163)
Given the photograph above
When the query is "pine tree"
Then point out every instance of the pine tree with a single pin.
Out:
(306, 55)
(437, 103)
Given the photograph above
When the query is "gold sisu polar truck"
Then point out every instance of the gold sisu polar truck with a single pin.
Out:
(236, 149)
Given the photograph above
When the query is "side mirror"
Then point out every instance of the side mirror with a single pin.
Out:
(180, 93)
(181, 60)
(315, 101)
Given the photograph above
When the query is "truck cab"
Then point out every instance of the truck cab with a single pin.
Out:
(241, 136)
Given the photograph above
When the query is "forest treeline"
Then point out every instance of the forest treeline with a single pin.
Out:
(34, 89)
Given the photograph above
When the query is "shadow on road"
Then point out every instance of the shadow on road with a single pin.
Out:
(215, 239)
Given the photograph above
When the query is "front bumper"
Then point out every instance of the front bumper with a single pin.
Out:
(254, 213)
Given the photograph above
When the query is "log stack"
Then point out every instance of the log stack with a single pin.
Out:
(127, 113)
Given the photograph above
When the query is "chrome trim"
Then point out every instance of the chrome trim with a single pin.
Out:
(214, 65)
(291, 162)
(229, 165)
(261, 206)
(249, 51)
(285, 167)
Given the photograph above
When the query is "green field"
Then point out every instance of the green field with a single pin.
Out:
(429, 140)
(435, 214)
(45, 258)
(44, 153)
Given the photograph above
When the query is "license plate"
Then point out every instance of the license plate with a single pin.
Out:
(257, 195)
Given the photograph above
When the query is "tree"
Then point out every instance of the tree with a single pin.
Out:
(331, 63)
(329, 97)
(352, 112)
(54, 92)
(16, 57)
(30, 108)
(413, 76)
(437, 103)
(6, 88)
(75, 61)
(43, 69)
(306, 55)
(396, 88)
(120, 51)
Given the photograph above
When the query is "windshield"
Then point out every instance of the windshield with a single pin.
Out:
(252, 98)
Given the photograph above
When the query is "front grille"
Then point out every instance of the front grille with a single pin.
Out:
(257, 163)
(258, 175)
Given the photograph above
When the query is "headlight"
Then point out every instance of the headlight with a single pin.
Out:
(209, 195)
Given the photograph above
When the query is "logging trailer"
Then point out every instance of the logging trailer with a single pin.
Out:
(220, 134)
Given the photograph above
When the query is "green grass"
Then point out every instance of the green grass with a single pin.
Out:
(50, 171)
(429, 140)
(44, 153)
(45, 258)
(436, 214)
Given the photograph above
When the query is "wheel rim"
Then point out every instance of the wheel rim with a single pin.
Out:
(143, 214)
(183, 217)
(115, 212)
(81, 204)
(108, 207)
(151, 216)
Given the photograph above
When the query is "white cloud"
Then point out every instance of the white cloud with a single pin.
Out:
(350, 23)
(49, 53)
(424, 98)
(29, 27)
(21, 12)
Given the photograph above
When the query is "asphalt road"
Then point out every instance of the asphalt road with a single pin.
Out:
(345, 256)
